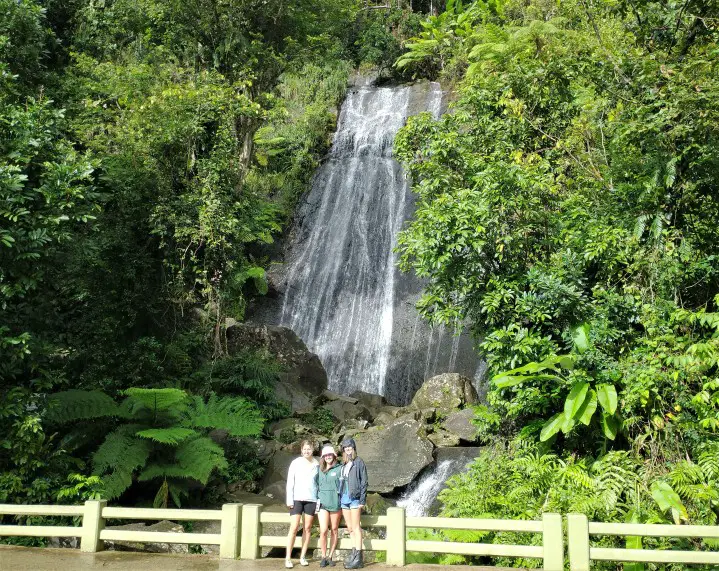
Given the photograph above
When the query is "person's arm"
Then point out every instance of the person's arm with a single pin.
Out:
(290, 501)
(362, 473)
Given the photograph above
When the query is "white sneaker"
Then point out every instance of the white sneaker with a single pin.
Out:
(304, 562)
(288, 564)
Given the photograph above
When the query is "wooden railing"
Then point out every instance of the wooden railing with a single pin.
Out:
(241, 534)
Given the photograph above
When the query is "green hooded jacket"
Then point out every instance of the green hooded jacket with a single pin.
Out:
(328, 484)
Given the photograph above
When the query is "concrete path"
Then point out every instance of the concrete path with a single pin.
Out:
(45, 559)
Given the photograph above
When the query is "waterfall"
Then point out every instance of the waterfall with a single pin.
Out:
(343, 293)
(421, 494)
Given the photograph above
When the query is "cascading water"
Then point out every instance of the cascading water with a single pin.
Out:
(421, 494)
(344, 296)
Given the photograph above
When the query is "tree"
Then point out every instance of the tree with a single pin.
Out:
(162, 437)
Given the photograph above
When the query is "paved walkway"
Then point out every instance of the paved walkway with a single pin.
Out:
(46, 559)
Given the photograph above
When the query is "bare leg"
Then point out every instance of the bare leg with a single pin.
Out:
(356, 528)
(306, 533)
(334, 525)
(347, 515)
(324, 518)
(294, 526)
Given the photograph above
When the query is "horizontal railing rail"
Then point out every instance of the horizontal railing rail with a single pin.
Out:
(242, 534)
(581, 553)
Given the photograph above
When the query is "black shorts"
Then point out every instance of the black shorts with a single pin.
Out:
(308, 508)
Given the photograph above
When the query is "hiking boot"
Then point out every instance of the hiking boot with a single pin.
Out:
(323, 562)
(357, 562)
(331, 562)
(350, 558)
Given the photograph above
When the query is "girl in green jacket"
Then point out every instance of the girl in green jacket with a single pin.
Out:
(328, 483)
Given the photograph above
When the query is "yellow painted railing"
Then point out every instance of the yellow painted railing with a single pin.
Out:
(241, 534)
(581, 554)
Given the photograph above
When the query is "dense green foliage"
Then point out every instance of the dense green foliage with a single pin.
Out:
(567, 211)
(150, 154)
(163, 436)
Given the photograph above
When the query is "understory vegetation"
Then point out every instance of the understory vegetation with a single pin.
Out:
(568, 212)
(151, 153)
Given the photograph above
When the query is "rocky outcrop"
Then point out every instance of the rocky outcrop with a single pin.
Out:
(442, 438)
(446, 392)
(303, 379)
(372, 402)
(460, 424)
(394, 454)
(344, 411)
(275, 480)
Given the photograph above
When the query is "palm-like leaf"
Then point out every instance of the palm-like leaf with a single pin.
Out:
(173, 435)
(153, 402)
(235, 415)
(72, 405)
(195, 459)
(120, 454)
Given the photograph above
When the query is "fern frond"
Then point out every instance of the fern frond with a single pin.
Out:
(236, 415)
(172, 436)
(72, 405)
(195, 459)
(156, 401)
(116, 483)
(122, 451)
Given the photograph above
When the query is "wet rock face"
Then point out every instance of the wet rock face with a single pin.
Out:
(447, 392)
(304, 377)
(394, 454)
(460, 424)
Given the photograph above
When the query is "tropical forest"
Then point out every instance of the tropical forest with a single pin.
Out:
(167, 170)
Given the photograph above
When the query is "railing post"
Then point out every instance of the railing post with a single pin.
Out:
(250, 531)
(552, 542)
(396, 536)
(92, 524)
(578, 542)
(230, 531)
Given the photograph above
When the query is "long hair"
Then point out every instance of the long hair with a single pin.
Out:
(347, 457)
(324, 466)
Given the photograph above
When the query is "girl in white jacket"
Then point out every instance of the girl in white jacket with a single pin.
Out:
(301, 499)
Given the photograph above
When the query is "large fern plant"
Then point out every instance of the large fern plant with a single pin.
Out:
(162, 437)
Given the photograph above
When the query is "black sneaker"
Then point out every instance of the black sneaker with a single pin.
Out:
(323, 563)
(331, 563)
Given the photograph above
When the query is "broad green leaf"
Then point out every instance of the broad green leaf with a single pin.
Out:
(504, 380)
(575, 399)
(568, 424)
(610, 426)
(589, 407)
(607, 395)
(667, 499)
(551, 427)
(580, 337)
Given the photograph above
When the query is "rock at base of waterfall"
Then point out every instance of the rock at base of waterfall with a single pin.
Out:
(460, 424)
(148, 547)
(275, 478)
(442, 438)
(344, 411)
(377, 505)
(330, 396)
(288, 429)
(371, 401)
(461, 455)
(303, 379)
(446, 392)
(394, 454)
